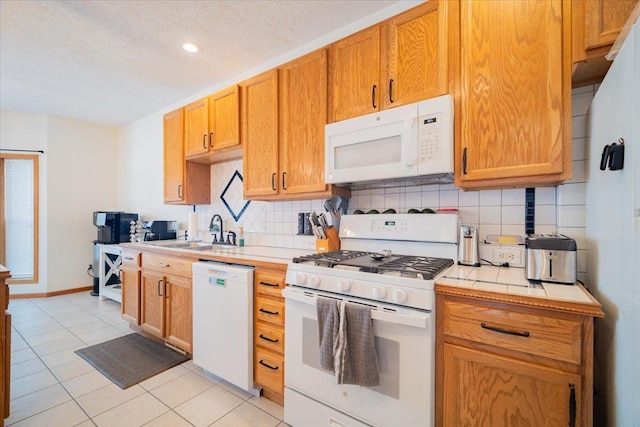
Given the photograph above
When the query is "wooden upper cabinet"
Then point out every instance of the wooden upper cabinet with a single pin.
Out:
(512, 93)
(185, 182)
(174, 164)
(212, 127)
(224, 118)
(414, 55)
(596, 24)
(604, 19)
(196, 128)
(260, 134)
(354, 74)
(397, 62)
(303, 115)
(284, 113)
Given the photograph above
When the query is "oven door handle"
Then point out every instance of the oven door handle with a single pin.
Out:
(418, 319)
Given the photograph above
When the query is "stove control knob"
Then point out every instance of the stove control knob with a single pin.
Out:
(314, 281)
(379, 292)
(399, 296)
(344, 285)
(301, 278)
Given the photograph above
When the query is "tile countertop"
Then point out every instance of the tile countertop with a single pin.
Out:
(244, 253)
(511, 284)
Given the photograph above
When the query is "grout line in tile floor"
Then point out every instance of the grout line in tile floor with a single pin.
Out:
(64, 390)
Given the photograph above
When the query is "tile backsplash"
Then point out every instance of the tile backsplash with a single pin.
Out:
(557, 209)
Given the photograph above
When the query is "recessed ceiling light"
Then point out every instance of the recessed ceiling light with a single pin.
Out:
(191, 48)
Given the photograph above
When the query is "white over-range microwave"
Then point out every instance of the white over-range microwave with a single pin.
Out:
(412, 143)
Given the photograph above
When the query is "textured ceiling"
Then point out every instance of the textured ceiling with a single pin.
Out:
(115, 61)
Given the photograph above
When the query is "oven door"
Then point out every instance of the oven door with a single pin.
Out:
(405, 347)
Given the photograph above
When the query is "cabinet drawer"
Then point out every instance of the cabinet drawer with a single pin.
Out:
(269, 336)
(130, 258)
(167, 265)
(270, 311)
(268, 370)
(538, 334)
(269, 283)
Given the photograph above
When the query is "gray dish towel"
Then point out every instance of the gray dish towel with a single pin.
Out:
(358, 362)
(328, 323)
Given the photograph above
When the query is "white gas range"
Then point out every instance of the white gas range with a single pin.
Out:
(388, 263)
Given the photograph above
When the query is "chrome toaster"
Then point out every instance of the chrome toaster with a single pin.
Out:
(550, 258)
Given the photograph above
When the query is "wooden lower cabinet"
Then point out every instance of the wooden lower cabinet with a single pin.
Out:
(488, 390)
(5, 345)
(166, 300)
(130, 282)
(512, 362)
(268, 366)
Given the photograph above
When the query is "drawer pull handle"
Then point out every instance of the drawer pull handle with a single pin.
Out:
(129, 258)
(268, 339)
(275, 368)
(504, 331)
(572, 405)
(162, 264)
(269, 312)
(273, 285)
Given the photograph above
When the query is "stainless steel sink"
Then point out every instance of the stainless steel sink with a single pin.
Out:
(200, 246)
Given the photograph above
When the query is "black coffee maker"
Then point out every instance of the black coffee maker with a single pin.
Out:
(113, 228)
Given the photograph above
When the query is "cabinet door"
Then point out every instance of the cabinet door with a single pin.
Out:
(130, 278)
(260, 134)
(196, 128)
(152, 303)
(174, 165)
(487, 390)
(513, 93)
(354, 73)
(303, 115)
(179, 312)
(414, 55)
(604, 19)
(224, 118)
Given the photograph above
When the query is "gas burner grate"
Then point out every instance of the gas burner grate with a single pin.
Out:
(331, 259)
(421, 267)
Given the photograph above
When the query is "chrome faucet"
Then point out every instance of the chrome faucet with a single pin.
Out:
(215, 238)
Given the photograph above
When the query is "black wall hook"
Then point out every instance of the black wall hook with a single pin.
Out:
(613, 156)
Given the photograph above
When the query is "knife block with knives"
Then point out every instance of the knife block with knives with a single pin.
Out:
(330, 243)
(327, 238)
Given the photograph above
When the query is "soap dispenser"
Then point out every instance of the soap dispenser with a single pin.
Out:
(240, 236)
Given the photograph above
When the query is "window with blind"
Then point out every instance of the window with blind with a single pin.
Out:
(19, 216)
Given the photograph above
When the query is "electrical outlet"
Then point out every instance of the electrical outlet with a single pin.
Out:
(510, 255)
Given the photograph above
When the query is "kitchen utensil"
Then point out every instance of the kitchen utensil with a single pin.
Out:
(468, 246)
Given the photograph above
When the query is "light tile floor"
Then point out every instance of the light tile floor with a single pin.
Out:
(52, 386)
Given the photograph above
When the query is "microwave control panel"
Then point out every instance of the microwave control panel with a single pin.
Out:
(429, 138)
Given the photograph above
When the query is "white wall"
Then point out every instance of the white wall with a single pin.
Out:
(81, 179)
(29, 132)
(77, 177)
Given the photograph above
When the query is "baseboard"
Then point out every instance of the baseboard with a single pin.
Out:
(50, 294)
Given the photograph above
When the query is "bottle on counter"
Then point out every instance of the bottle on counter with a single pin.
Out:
(241, 236)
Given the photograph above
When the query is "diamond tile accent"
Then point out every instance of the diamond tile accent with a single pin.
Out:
(232, 197)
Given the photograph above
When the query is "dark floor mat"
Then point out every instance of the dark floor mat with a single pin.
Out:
(131, 359)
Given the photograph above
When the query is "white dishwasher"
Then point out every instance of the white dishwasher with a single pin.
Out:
(223, 321)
